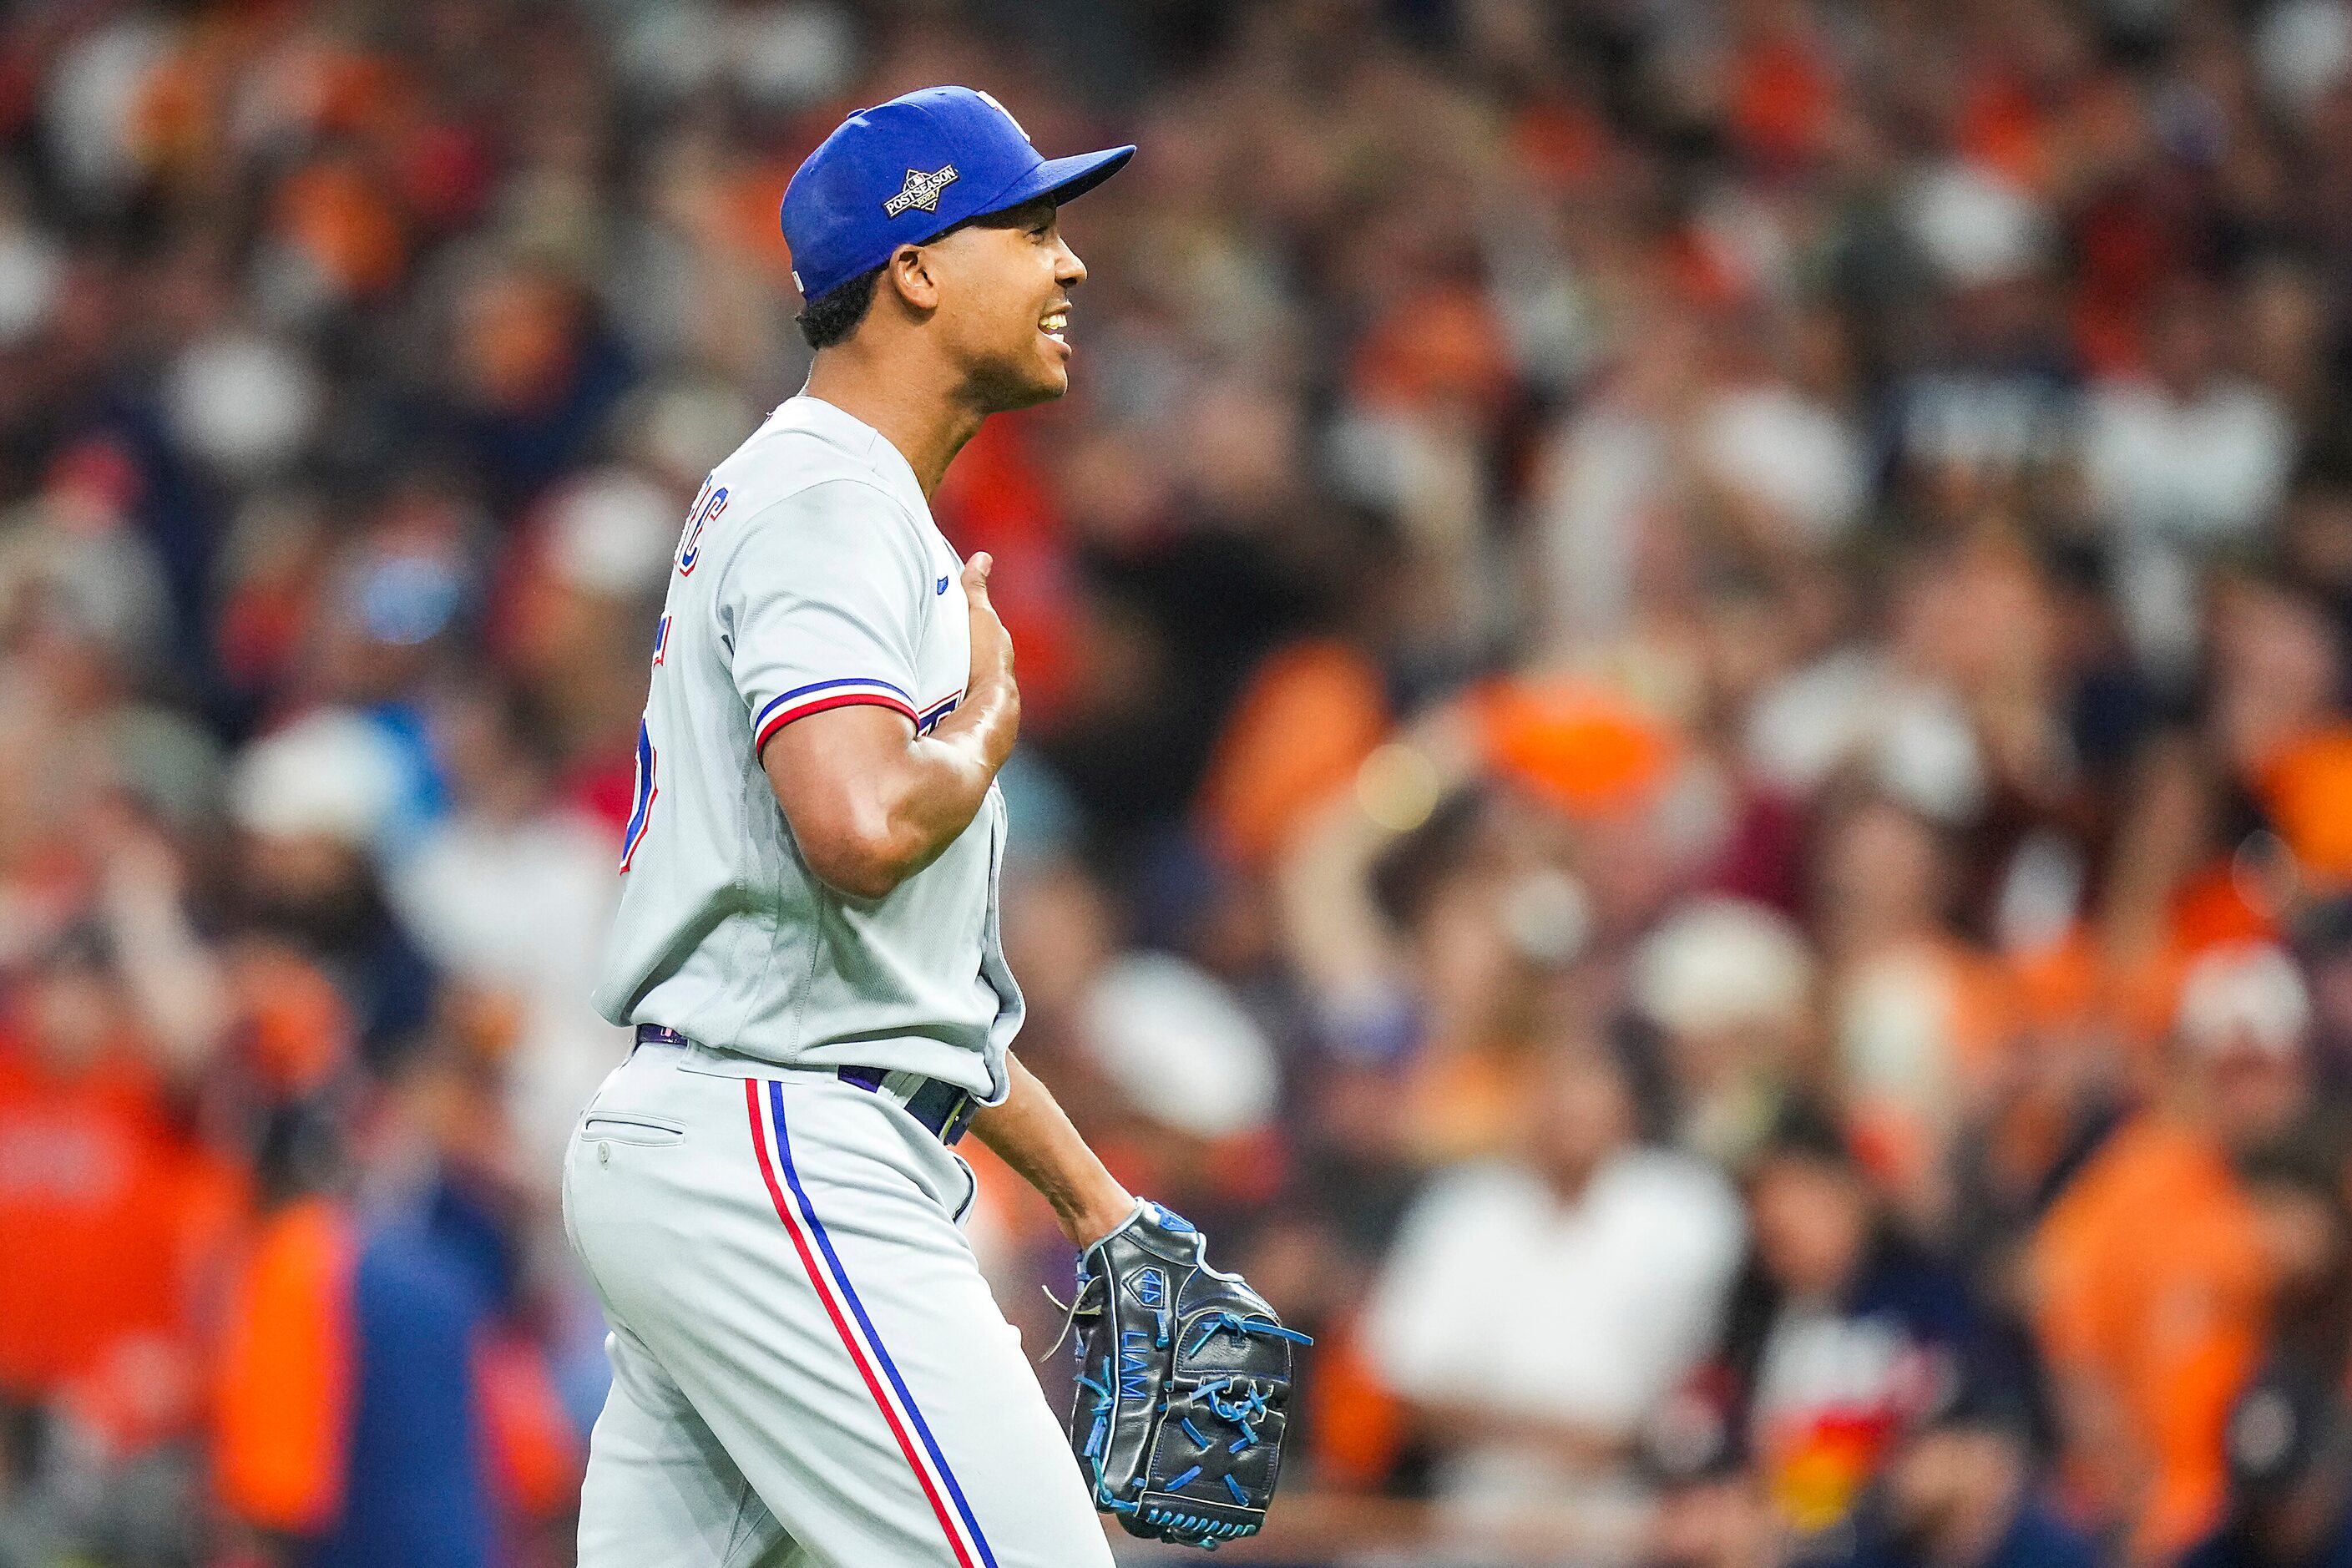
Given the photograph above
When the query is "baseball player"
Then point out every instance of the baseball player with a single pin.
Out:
(807, 1366)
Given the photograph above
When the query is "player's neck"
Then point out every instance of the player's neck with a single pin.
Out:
(928, 420)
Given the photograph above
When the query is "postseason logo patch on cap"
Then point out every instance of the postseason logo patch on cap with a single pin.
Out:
(921, 190)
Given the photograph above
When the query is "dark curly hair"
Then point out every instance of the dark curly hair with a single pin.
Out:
(829, 321)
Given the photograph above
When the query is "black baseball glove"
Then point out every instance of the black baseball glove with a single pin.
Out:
(1183, 1378)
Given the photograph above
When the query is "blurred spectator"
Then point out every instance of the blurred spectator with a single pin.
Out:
(508, 893)
(1922, 1016)
(2187, 459)
(1182, 1053)
(2323, 941)
(1711, 1511)
(1535, 1309)
(376, 1406)
(1842, 1336)
(535, 374)
(1961, 1494)
(312, 802)
(2289, 1464)
(115, 1218)
(1731, 985)
(2151, 1328)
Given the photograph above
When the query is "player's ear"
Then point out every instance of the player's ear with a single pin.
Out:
(908, 271)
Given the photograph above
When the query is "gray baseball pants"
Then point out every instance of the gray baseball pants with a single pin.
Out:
(808, 1370)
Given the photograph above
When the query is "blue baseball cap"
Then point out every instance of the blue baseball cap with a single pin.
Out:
(907, 170)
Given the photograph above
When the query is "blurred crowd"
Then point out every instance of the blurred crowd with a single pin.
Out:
(1686, 767)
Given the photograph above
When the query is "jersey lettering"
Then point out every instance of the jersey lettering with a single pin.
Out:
(929, 719)
(708, 504)
(641, 808)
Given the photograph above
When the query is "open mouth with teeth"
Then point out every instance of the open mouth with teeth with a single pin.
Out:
(1056, 324)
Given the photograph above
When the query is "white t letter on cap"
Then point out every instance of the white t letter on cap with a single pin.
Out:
(990, 98)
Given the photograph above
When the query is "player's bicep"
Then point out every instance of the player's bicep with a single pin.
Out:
(836, 775)
(823, 766)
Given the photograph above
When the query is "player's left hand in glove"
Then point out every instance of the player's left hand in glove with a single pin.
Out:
(1183, 1384)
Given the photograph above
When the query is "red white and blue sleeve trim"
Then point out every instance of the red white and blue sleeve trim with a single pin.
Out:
(816, 696)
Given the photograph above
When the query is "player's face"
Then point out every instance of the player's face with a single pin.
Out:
(1005, 285)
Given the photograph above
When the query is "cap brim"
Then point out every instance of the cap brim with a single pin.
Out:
(1064, 179)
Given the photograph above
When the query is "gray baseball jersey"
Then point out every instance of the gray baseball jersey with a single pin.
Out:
(810, 576)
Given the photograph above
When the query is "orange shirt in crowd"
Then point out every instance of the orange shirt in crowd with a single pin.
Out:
(288, 1398)
(2151, 1287)
(283, 1392)
(106, 1212)
(2307, 788)
(1303, 726)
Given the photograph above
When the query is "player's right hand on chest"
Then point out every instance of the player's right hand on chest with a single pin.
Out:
(991, 648)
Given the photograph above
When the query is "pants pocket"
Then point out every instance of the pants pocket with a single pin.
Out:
(970, 1187)
(631, 1127)
(563, 1197)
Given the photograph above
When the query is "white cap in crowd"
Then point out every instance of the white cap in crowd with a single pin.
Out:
(2244, 995)
(613, 530)
(1179, 1046)
(330, 774)
(1722, 963)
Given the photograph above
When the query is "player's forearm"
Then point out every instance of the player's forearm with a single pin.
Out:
(871, 805)
(984, 725)
(944, 781)
(1031, 1132)
(955, 764)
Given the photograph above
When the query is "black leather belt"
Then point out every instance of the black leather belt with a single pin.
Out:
(944, 1108)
